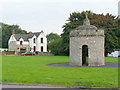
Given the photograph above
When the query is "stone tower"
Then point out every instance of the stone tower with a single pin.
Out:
(87, 45)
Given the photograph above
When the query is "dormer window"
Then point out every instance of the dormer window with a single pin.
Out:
(41, 40)
(21, 42)
(34, 40)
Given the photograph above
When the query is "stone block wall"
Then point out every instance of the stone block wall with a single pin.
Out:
(94, 39)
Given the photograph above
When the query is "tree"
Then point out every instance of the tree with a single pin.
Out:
(56, 47)
(54, 44)
(108, 22)
(75, 19)
(7, 31)
(52, 36)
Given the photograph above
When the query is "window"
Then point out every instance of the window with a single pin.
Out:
(34, 48)
(41, 48)
(34, 40)
(30, 48)
(23, 49)
(41, 40)
(21, 42)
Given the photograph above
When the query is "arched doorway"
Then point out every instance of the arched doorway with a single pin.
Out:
(84, 55)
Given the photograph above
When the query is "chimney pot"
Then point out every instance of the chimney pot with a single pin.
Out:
(41, 30)
(13, 32)
(30, 32)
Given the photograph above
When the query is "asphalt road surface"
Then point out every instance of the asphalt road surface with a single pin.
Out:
(30, 86)
(18, 85)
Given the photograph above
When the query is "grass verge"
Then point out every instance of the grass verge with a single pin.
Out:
(34, 69)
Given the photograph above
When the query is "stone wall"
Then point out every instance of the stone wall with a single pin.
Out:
(8, 53)
(94, 39)
(12, 46)
(44, 54)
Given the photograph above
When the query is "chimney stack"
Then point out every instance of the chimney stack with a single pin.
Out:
(13, 32)
(42, 31)
(30, 32)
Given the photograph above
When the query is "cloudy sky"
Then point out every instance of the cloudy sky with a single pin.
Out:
(49, 15)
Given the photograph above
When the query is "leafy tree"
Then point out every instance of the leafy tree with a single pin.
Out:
(56, 47)
(55, 44)
(75, 19)
(52, 36)
(107, 22)
(7, 31)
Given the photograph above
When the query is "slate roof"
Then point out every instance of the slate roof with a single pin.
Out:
(26, 36)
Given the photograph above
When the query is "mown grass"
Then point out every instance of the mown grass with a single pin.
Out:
(34, 69)
(0, 68)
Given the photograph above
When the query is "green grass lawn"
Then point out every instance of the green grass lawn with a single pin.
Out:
(33, 69)
(0, 68)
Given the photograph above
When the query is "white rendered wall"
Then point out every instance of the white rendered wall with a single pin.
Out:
(39, 44)
(32, 44)
(12, 38)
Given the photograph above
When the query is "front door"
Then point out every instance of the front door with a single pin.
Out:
(41, 48)
(34, 48)
(84, 55)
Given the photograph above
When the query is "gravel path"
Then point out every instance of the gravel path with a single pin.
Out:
(67, 65)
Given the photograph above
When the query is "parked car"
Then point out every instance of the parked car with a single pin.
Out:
(27, 54)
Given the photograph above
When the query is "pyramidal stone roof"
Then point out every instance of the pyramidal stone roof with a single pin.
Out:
(86, 25)
(26, 36)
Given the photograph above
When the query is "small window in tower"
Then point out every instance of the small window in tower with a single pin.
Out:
(21, 42)
(41, 40)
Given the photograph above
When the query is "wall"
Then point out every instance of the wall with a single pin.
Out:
(45, 54)
(95, 42)
(15, 45)
(44, 44)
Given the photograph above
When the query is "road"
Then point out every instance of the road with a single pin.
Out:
(22, 85)
(19, 85)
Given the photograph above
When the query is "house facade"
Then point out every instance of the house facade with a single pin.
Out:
(32, 42)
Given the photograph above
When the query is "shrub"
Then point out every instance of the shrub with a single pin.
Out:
(22, 52)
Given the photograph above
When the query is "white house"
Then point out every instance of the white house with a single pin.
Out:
(32, 42)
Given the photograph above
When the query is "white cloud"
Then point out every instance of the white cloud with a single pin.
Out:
(50, 15)
(59, 1)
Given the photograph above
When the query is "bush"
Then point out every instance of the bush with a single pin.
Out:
(56, 47)
(22, 52)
